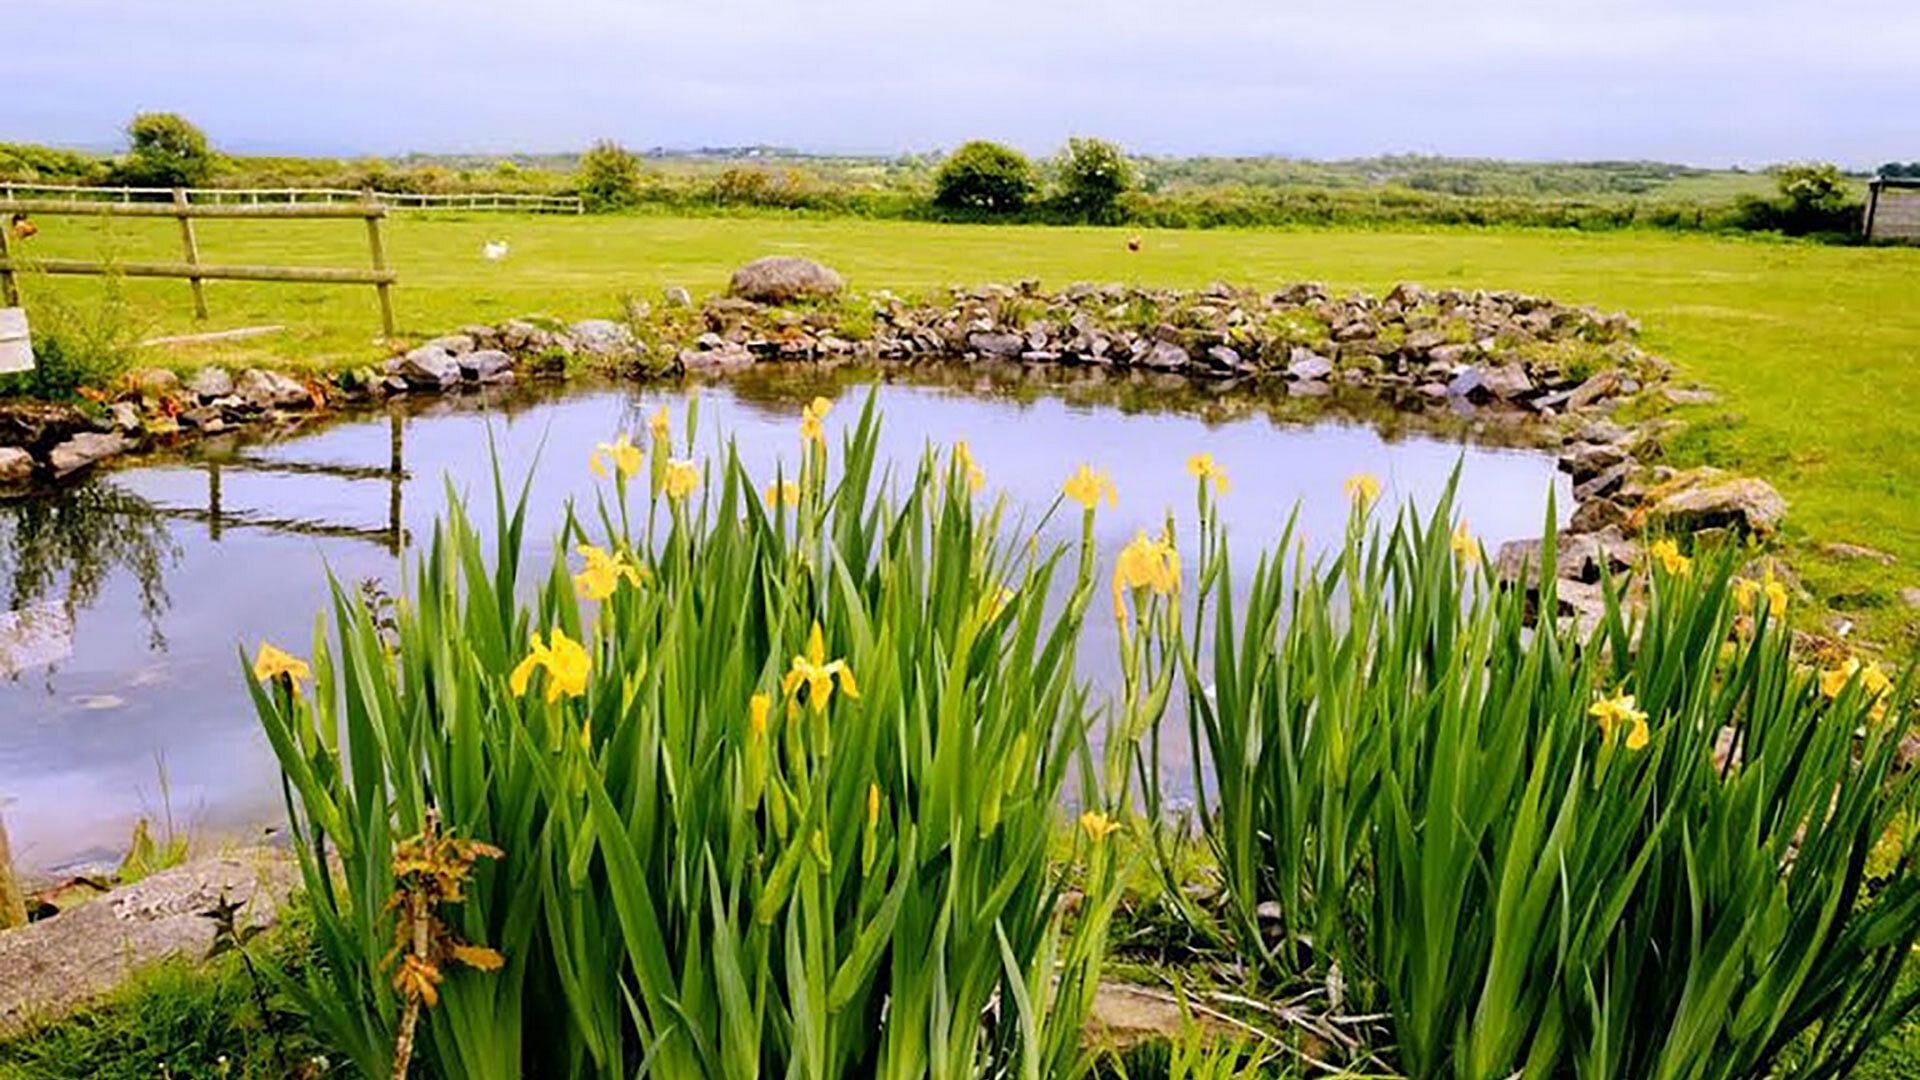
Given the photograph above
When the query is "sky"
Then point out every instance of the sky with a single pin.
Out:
(1707, 82)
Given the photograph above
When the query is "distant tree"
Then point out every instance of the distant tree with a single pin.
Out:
(166, 150)
(985, 176)
(1094, 173)
(609, 177)
(1813, 188)
(1897, 169)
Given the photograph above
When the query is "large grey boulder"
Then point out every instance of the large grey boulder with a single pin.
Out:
(264, 389)
(209, 383)
(51, 967)
(85, 449)
(429, 366)
(486, 365)
(603, 338)
(780, 279)
(1707, 498)
(1306, 365)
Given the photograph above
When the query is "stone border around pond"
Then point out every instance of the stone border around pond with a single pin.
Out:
(1553, 372)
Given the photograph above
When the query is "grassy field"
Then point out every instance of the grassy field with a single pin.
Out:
(1815, 350)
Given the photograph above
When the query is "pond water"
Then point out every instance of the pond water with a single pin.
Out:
(142, 584)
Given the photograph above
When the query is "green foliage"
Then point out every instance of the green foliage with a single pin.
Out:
(1415, 780)
(1814, 187)
(788, 813)
(75, 344)
(984, 177)
(1093, 175)
(47, 165)
(609, 176)
(165, 150)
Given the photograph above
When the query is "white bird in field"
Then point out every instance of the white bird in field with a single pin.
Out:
(494, 250)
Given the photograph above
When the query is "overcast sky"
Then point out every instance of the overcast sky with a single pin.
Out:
(1699, 81)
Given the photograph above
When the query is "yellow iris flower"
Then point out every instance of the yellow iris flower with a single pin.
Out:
(783, 491)
(816, 673)
(661, 426)
(603, 573)
(1619, 711)
(564, 660)
(1087, 486)
(810, 417)
(1746, 589)
(271, 663)
(963, 458)
(1362, 488)
(1874, 682)
(1465, 548)
(1203, 468)
(1098, 826)
(1669, 555)
(621, 452)
(1144, 564)
(681, 478)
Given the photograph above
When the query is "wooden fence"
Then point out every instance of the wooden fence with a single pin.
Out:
(1893, 208)
(369, 208)
(393, 200)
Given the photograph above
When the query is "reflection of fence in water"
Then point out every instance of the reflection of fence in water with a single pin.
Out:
(218, 517)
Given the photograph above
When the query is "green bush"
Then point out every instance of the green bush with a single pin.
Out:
(781, 803)
(1665, 848)
(76, 345)
(609, 177)
(984, 177)
(1093, 175)
(166, 150)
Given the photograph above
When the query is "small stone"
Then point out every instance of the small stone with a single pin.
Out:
(153, 382)
(1605, 482)
(1467, 384)
(1910, 596)
(484, 364)
(603, 338)
(1842, 550)
(1707, 499)
(209, 383)
(264, 389)
(1434, 390)
(16, 466)
(454, 344)
(678, 297)
(1596, 514)
(1676, 395)
(85, 449)
(1595, 390)
(1507, 381)
(1225, 359)
(1307, 365)
(125, 416)
(996, 343)
(1585, 460)
(1166, 356)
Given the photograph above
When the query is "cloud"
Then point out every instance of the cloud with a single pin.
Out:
(1703, 80)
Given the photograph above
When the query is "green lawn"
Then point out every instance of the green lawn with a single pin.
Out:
(1815, 350)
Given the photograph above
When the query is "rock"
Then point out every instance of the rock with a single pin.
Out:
(38, 425)
(1450, 355)
(1595, 390)
(1507, 381)
(1434, 390)
(1226, 360)
(1308, 388)
(1467, 384)
(485, 365)
(1577, 557)
(85, 449)
(428, 367)
(996, 343)
(1602, 431)
(209, 383)
(678, 297)
(1707, 499)
(207, 418)
(1124, 1016)
(1584, 460)
(1910, 596)
(780, 279)
(16, 467)
(1306, 365)
(1165, 356)
(1841, 550)
(126, 416)
(1603, 483)
(604, 338)
(262, 389)
(1681, 396)
(728, 357)
(153, 382)
(51, 967)
(1582, 605)
(455, 344)
(1596, 514)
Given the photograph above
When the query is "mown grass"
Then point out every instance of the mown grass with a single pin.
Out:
(1814, 349)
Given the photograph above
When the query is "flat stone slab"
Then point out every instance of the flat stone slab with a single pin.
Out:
(50, 968)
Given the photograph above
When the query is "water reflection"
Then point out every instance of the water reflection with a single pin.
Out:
(241, 532)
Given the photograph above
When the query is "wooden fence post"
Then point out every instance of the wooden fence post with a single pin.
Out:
(13, 903)
(379, 252)
(9, 288)
(191, 248)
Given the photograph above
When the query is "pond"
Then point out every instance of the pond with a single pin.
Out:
(132, 593)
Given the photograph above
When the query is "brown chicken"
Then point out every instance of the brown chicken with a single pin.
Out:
(22, 227)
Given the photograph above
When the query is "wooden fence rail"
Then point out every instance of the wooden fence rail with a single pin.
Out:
(293, 196)
(369, 208)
